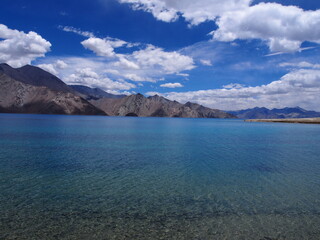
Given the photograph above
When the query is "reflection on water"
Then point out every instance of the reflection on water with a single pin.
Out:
(67, 177)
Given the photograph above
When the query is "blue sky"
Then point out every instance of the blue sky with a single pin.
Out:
(227, 54)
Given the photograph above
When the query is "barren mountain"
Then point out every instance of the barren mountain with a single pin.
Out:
(156, 106)
(33, 90)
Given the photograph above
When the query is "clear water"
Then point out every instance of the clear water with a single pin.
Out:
(72, 177)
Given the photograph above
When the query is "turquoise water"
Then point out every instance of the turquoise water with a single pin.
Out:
(73, 177)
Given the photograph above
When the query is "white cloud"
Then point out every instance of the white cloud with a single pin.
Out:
(304, 83)
(147, 64)
(87, 77)
(49, 68)
(284, 28)
(112, 71)
(52, 67)
(193, 11)
(94, 72)
(168, 62)
(76, 31)
(103, 47)
(125, 63)
(171, 85)
(156, 7)
(117, 92)
(18, 48)
(183, 75)
(233, 86)
(136, 78)
(61, 64)
(300, 65)
(96, 44)
(205, 62)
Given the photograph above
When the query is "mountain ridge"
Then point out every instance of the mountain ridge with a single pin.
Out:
(35, 76)
(32, 90)
(275, 113)
(156, 106)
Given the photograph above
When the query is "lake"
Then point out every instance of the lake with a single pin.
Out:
(90, 177)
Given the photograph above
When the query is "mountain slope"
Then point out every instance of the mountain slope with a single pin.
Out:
(93, 93)
(265, 113)
(36, 77)
(35, 93)
(156, 106)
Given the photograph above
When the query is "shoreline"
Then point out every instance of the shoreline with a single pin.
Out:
(288, 120)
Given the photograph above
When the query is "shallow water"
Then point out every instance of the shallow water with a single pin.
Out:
(75, 177)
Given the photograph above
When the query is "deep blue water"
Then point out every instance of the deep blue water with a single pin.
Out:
(76, 177)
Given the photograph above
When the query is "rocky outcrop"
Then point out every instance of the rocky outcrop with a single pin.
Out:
(156, 106)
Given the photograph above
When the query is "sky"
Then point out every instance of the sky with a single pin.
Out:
(224, 54)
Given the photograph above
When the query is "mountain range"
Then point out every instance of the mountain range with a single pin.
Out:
(140, 106)
(30, 89)
(265, 113)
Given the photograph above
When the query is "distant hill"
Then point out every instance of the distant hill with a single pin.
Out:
(93, 93)
(156, 106)
(32, 90)
(265, 113)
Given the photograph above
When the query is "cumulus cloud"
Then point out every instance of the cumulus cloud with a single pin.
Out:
(149, 59)
(103, 47)
(54, 67)
(284, 28)
(92, 72)
(151, 64)
(148, 64)
(137, 78)
(193, 11)
(125, 63)
(304, 83)
(49, 68)
(88, 77)
(18, 48)
(168, 62)
(171, 85)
